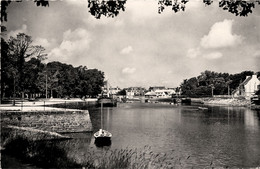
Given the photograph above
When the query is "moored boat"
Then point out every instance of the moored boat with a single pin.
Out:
(102, 138)
(202, 108)
(102, 134)
(107, 102)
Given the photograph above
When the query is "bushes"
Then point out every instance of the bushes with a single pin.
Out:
(45, 154)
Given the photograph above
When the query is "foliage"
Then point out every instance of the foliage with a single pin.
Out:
(19, 49)
(236, 7)
(203, 84)
(177, 5)
(21, 62)
(111, 8)
(122, 92)
(32, 70)
(7, 71)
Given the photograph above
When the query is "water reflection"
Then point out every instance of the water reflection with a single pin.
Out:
(251, 119)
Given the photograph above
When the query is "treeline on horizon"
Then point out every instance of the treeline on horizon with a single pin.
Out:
(24, 73)
(210, 82)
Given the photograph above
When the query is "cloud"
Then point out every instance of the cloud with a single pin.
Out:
(128, 70)
(126, 50)
(257, 53)
(77, 2)
(193, 53)
(44, 42)
(213, 55)
(220, 35)
(23, 29)
(75, 44)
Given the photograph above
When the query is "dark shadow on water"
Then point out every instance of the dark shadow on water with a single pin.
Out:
(103, 142)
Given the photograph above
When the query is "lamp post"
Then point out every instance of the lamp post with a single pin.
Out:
(46, 83)
(228, 85)
(14, 83)
(14, 93)
(212, 90)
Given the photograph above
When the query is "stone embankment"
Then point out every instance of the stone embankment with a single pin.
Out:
(52, 121)
(41, 123)
(229, 101)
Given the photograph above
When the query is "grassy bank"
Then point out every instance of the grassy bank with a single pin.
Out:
(49, 154)
(39, 153)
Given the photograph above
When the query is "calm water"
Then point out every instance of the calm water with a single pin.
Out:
(228, 136)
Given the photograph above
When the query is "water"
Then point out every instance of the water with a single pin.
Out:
(219, 136)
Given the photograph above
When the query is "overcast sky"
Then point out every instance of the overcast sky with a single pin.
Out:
(140, 47)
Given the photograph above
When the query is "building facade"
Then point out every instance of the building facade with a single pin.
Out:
(248, 87)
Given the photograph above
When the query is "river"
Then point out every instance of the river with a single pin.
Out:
(219, 136)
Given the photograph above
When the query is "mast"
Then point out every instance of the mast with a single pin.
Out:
(101, 115)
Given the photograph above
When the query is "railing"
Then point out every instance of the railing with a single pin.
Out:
(223, 96)
(45, 105)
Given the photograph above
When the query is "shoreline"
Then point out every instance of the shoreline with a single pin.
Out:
(227, 101)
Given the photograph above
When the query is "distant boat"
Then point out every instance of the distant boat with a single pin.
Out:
(102, 137)
(107, 102)
(202, 108)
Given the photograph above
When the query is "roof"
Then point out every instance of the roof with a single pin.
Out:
(150, 94)
(246, 80)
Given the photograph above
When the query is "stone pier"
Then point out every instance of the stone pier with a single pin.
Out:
(53, 121)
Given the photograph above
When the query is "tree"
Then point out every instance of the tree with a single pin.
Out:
(108, 8)
(21, 48)
(32, 70)
(189, 86)
(7, 74)
(122, 92)
(209, 81)
(237, 7)
(111, 8)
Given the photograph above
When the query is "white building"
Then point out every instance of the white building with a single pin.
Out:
(248, 87)
(160, 93)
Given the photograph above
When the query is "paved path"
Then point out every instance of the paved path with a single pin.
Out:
(39, 105)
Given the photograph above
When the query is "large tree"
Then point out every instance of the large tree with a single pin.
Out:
(32, 70)
(20, 49)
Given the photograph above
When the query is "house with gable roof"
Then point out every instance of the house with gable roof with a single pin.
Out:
(248, 87)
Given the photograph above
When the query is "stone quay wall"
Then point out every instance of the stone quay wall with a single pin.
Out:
(53, 121)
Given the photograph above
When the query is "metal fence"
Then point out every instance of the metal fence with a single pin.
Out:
(44, 105)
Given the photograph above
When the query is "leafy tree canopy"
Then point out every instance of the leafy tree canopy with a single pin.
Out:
(111, 8)
(222, 83)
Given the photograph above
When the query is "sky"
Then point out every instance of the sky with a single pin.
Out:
(140, 47)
